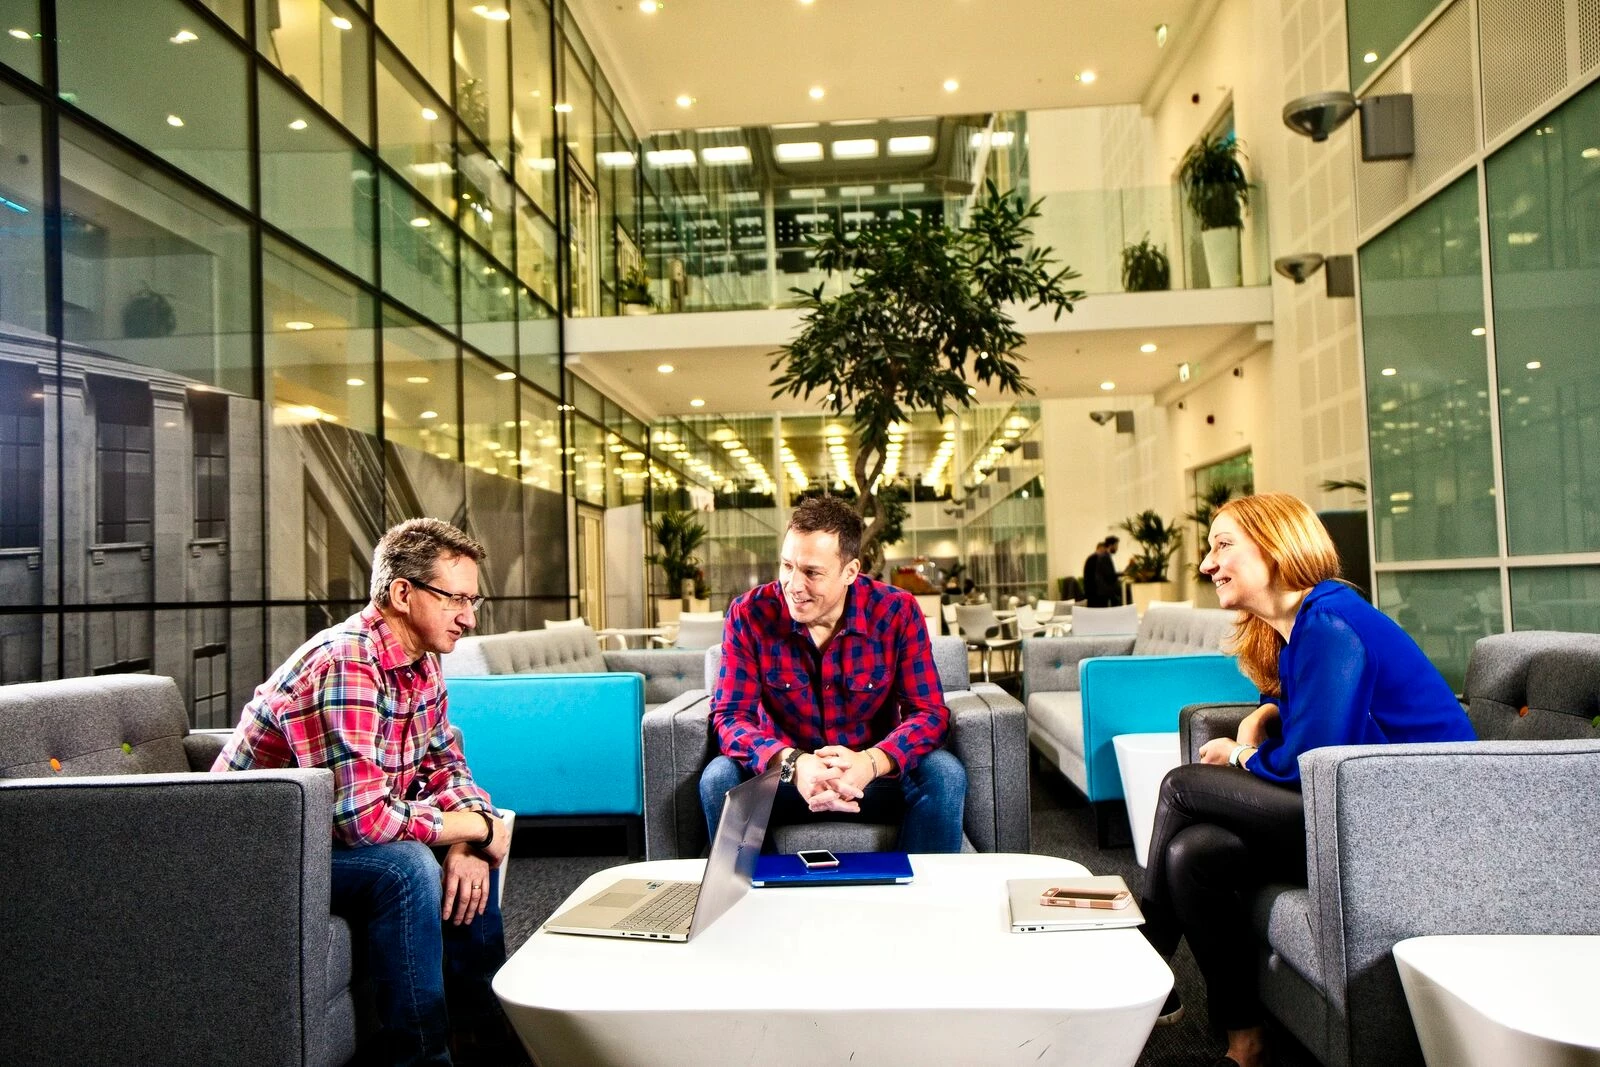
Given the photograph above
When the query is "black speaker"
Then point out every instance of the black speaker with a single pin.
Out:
(1348, 528)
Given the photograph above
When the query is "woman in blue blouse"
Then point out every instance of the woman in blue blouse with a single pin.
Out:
(1332, 670)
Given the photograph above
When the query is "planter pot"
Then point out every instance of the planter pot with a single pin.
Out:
(636, 309)
(1222, 256)
(1205, 595)
(667, 610)
(1145, 592)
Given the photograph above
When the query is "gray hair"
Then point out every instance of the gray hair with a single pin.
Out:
(411, 549)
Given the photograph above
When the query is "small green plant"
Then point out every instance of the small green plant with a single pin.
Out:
(1159, 541)
(678, 533)
(1355, 485)
(1145, 267)
(1214, 183)
(634, 287)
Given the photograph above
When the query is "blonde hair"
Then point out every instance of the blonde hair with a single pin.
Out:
(1299, 554)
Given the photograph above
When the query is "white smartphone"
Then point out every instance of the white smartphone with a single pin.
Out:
(817, 859)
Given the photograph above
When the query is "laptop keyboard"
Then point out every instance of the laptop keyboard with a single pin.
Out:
(666, 911)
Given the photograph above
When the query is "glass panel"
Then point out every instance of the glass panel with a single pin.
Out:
(322, 46)
(541, 440)
(28, 647)
(414, 133)
(1544, 232)
(1376, 28)
(532, 120)
(1427, 383)
(177, 87)
(488, 306)
(27, 551)
(229, 11)
(322, 383)
(538, 341)
(419, 254)
(1444, 612)
(151, 273)
(580, 116)
(588, 467)
(112, 642)
(419, 387)
(1554, 598)
(586, 398)
(485, 201)
(315, 184)
(22, 289)
(494, 494)
(20, 47)
(536, 250)
(483, 83)
(420, 29)
(544, 508)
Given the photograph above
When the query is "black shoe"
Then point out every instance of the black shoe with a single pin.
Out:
(1171, 1009)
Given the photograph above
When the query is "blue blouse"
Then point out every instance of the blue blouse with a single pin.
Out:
(1351, 676)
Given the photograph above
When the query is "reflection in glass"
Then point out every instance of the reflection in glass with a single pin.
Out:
(485, 201)
(315, 185)
(1544, 218)
(587, 462)
(1376, 28)
(152, 273)
(22, 290)
(421, 30)
(1427, 383)
(177, 87)
(419, 254)
(20, 47)
(1444, 612)
(538, 341)
(1555, 598)
(322, 46)
(579, 119)
(488, 306)
(419, 387)
(489, 435)
(540, 422)
(532, 117)
(536, 250)
(483, 86)
(415, 133)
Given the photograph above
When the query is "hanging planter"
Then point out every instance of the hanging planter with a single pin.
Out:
(148, 314)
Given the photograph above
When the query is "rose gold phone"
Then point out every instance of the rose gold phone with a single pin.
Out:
(1086, 898)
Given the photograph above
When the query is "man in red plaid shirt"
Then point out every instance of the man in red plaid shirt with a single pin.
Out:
(365, 699)
(828, 675)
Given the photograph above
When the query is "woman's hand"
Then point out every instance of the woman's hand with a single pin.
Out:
(1253, 728)
(1217, 750)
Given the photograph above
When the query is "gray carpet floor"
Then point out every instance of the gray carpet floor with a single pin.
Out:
(546, 866)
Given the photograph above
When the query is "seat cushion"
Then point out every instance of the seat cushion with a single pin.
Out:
(338, 956)
(1281, 915)
(1182, 631)
(1060, 715)
(110, 724)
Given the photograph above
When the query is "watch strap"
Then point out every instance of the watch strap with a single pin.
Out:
(786, 768)
(488, 838)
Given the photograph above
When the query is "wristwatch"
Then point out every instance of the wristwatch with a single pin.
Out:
(488, 838)
(1238, 750)
(786, 768)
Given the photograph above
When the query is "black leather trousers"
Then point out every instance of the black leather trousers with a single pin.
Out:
(1220, 832)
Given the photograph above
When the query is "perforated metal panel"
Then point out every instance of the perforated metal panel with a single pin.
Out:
(1445, 101)
(1588, 35)
(1524, 49)
(1382, 187)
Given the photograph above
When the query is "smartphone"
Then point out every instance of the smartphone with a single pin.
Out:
(1086, 898)
(817, 859)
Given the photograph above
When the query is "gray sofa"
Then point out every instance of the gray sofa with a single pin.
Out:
(667, 672)
(156, 914)
(1495, 836)
(987, 733)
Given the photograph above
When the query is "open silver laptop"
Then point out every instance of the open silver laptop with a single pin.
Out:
(676, 911)
(1028, 915)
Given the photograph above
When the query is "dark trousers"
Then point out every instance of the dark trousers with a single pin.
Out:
(1220, 832)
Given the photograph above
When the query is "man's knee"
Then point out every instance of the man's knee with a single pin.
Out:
(940, 773)
(406, 869)
(719, 776)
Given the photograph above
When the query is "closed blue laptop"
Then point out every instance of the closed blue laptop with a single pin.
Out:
(855, 868)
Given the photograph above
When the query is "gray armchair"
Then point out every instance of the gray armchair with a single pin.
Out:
(155, 914)
(1494, 836)
(988, 733)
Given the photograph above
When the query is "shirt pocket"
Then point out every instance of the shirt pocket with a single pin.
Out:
(788, 693)
(864, 690)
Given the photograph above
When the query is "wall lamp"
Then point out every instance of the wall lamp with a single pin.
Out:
(1340, 276)
(1386, 121)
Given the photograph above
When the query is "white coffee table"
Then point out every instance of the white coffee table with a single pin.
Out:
(1143, 760)
(927, 973)
(1488, 999)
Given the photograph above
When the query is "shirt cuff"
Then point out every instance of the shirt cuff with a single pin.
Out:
(902, 754)
(427, 823)
(763, 752)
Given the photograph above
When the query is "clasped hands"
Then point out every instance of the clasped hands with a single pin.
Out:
(834, 778)
(1252, 731)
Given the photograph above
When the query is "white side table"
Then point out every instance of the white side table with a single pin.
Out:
(1490, 999)
(1143, 760)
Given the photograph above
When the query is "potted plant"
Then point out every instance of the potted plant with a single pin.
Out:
(148, 314)
(678, 533)
(1212, 498)
(1145, 267)
(1158, 541)
(1217, 191)
(633, 291)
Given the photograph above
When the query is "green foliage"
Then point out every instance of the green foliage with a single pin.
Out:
(1159, 541)
(148, 314)
(925, 317)
(1216, 495)
(634, 287)
(1214, 183)
(1145, 267)
(893, 508)
(1356, 485)
(678, 533)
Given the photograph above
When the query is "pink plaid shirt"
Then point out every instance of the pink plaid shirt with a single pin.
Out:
(352, 701)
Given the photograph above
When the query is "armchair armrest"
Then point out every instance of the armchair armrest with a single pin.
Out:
(201, 747)
(989, 735)
(678, 743)
(1143, 694)
(137, 899)
(1050, 664)
(1199, 723)
(1461, 838)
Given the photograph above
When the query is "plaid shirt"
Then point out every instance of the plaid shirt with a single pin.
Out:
(874, 685)
(353, 701)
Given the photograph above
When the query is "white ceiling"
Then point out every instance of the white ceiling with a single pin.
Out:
(753, 62)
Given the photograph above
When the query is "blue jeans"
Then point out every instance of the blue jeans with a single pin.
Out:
(392, 896)
(928, 801)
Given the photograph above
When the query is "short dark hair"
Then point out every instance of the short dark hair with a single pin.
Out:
(1112, 540)
(411, 549)
(830, 514)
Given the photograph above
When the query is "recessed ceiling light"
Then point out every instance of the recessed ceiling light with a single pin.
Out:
(298, 324)
(181, 37)
(565, 109)
(807, 194)
(616, 159)
(685, 100)
(1591, 153)
(418, 379)
(902, 188)
(649, 7)
(1087, 77)
(340, 22)
(797, 151)
(856, 148)
(725, 154)
(1147, 347)
(951, 85)
(1478, 331)
(670, 157)
(857, 191)
(357, 382)
(1108, 386)
(666, 368)
(910, 146)
(422, 222)
(1370, 57)
(173, 120)
(1387, 372)
(697, 403)
(429, 114)
(1161, 35)
(493, 14)
(817, 92)
(1534, 365)
(298, 124)
(505, 376)
(999, 138)
(428, 415)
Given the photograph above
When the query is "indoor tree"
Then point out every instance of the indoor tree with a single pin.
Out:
(926, 317)
(678, 534)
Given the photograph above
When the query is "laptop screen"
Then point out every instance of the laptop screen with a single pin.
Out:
(733, 853)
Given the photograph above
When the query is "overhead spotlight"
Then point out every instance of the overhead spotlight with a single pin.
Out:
(1386, 121)
(1340, 277)
(1102, 417)
(1297, 268)
(1123, 419)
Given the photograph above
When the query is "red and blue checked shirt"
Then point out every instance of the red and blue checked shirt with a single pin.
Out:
(874, 685)
(353, 701)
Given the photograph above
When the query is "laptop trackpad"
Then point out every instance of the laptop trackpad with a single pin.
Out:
(617, 898)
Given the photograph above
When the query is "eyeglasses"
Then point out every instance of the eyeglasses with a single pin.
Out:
(459, 601)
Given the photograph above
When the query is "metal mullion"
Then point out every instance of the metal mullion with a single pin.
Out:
(258, 319)
(55, 298)
(379, 297)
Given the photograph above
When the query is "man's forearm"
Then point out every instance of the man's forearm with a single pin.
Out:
(463, 825)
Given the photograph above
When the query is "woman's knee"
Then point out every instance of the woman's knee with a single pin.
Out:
(1203, 855)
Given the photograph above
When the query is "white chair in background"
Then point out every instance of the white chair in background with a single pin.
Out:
(559, 624)
(1169, 604)
(984, 633)
(1097, 621)
(952, 625)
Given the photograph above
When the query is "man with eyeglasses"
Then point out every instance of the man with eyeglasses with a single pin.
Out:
(417, 844)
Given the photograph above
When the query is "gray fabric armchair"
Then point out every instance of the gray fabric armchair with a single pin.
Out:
(988, 733)
(155, 914)
(1494, 836)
